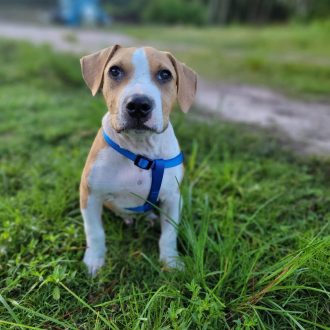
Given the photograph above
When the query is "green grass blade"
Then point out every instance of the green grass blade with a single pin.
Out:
(44, 317)
(110, 324)
(9, 309)
(154, 296)
(281, 311)
(20, 325)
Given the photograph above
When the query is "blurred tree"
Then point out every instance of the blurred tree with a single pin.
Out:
(159, 11)
(309, 9)
(217, 11)
(126, 10)
(251, 11)
(263, 11)
(175, 11)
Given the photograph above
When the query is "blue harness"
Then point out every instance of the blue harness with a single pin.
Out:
(157, 167)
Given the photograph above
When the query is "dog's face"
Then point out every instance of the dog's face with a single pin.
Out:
(140, 85)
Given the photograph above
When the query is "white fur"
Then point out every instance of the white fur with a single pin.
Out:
(115, 179)
(141, 83)
(95, 237)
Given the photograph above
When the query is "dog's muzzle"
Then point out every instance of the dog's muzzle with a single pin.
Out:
(139, 107)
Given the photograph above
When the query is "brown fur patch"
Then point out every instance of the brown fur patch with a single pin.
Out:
(98, 144)
(111, 88)
(159, 61)
(112, 207)
(109, 205)
(92, 67)
(186, 83)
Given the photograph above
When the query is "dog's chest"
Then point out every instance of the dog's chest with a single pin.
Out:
(125, 185)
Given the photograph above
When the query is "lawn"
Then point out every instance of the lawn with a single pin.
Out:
(294, 59)
(254, 235)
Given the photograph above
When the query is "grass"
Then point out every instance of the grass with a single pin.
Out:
(292, 58)
(254, 236)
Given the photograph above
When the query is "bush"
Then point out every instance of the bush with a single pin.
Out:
(319, 9)
(126, 10)
(198, 12)
(175, 11)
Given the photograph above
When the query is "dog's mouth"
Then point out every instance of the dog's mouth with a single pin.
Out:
(138, 126)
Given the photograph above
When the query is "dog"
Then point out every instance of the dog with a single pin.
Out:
(135, 163)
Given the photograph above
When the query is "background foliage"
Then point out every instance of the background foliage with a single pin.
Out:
(217, 11)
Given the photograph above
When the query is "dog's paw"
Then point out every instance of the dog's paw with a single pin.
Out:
(172, 262)
(94, 261)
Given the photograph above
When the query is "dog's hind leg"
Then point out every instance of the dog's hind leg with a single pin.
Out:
(151, 218)
(95, 236)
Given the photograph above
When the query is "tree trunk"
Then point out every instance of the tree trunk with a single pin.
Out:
(219, 11)
(224, 11)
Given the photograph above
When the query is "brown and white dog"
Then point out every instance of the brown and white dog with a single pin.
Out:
(140, 87)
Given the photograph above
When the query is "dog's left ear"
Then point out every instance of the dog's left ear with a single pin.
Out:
(93, 65)
(186, 83)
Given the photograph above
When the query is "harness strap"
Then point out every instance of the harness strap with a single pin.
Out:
(157, 167)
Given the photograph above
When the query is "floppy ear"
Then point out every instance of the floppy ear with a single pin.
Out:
(92, 67)
(186, 83)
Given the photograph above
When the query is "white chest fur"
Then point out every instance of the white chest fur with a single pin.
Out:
(117, 180)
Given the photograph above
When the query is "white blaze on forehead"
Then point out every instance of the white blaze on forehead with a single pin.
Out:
(142, 83)
(141, 67)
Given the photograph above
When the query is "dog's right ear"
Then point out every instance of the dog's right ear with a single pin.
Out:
(93, 65)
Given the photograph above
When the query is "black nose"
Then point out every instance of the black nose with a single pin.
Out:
(139, 106)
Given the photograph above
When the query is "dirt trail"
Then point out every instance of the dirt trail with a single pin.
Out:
(307, 123)
(63, 39)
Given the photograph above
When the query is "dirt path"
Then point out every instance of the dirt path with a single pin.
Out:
(306, 123)
(63, 39)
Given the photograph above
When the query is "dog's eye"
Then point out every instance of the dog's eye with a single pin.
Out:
(164, 76)
(116, 72)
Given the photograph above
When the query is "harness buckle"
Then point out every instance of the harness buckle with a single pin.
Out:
(143, 162)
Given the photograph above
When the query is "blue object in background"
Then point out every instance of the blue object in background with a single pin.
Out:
(76, 12)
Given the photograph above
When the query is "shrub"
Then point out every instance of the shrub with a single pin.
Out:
(126, 10)
(198, 12)
(175, 11)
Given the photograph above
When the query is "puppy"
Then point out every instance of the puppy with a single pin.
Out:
(135, 163)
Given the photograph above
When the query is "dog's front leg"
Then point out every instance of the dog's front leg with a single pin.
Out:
(95, 237)
(170, 218)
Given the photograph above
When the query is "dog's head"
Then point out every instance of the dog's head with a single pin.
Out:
(140, 85)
